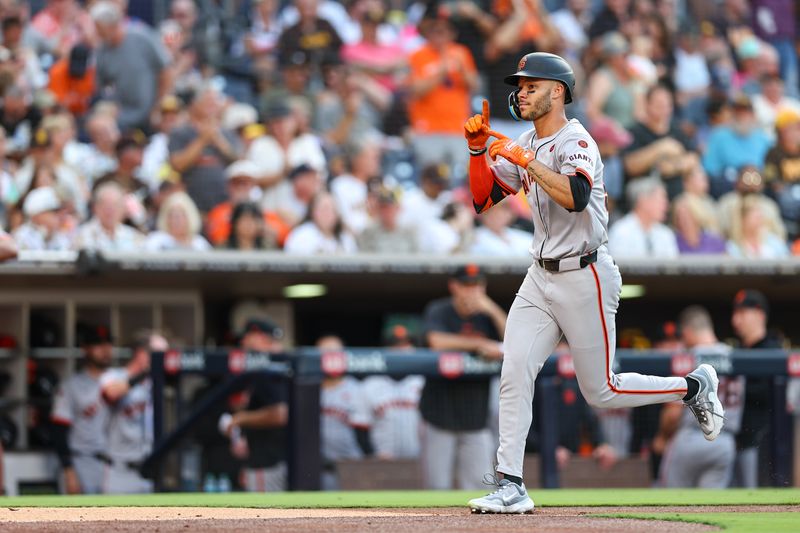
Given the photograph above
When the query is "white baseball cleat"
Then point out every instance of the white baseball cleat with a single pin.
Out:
(509, 498)
(706, 406)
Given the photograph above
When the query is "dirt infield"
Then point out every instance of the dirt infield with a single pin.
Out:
(173, 519)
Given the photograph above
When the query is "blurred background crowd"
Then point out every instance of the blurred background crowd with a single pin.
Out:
(319, 126)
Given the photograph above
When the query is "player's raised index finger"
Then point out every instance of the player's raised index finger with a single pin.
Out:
(485, 111)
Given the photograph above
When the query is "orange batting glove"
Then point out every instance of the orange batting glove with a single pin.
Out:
(511, 151)
(476, 129)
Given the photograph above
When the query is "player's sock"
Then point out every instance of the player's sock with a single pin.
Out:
(513, 479)
(692, 387)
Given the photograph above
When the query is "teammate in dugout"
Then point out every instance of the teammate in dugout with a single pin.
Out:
(572, 288)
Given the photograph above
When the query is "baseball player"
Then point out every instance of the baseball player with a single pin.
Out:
(390, 407)
(130, 423)
(689, 461)
(79, 417)
(573, 286)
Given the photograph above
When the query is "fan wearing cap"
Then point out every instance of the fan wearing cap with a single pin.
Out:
(659, 146)
(426, 202)
(613, 89)
(201, 150)
(42, 227)
(291, 197)
(155, 159)
(241, 179)
(72, 80)
(771, 102)
(456, 443)
(284, 147)
(734, 145)
(262, 423)
(749, 320)
(384, 234)
(80, 415)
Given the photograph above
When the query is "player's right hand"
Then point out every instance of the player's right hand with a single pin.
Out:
(476, 129)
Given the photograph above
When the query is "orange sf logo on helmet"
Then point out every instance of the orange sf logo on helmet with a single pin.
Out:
(521, 64)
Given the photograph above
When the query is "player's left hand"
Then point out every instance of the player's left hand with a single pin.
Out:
(511, 151)
(605, 455)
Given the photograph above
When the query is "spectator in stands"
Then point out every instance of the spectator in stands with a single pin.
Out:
(782, 169)
(771, 102)
(105, 230)
(8, 247)
(294, 82)
(350, 106)
(520, 27)
(694, 229)
(613, 90)
(611, 139)
(241, 181)
(691, 76)
(441, 80)
(351, 190)
(23, 57)
(178, 227)
(248, 230)
(659, 146)
(61, 129)
(695, 184)
(201, 150)
(238, 117)
(572, 22)
(749, 321)
(689, 459)
(19, 118)
(79, 416)
(261, 39)
(775, 23)
(343, 430)
(323, 231)
(427, 202)
(732, 146)
(750, 234)
(390, 405)
(64, 23)
(496, 238)
(290, 198)
(611, 18)
(284, 148)
(311, 35)
(99, 157)
(42, 227)
(155, 159)
(374, 55)
(456, 443)
(749, 184)
(384, 234)
(641, 233)
(452, 234)
(262, 424)
(139, 86)
(72, 80)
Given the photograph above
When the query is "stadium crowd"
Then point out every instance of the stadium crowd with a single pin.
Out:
(318, 126)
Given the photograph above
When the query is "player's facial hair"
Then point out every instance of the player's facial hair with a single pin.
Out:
(542, 105)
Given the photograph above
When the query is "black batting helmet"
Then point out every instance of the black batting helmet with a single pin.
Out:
(544, 66)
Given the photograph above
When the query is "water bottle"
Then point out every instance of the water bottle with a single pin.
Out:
(210, 483)
(224, 483)
(190, 469)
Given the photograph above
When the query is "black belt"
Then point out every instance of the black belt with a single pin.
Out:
(552, 265)
(133, 465)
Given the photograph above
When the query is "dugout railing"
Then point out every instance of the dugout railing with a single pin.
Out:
(303, 370)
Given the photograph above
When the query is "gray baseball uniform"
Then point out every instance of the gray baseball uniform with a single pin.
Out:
(78, 405)
(391, 410)
(130, 436)
(338, 405)
(691, 460)
(578, 301)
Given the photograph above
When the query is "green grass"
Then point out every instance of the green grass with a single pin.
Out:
(731, 522)
(421, 499)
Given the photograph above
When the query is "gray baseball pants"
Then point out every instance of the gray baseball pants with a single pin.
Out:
(580, 304)
(692, 461)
